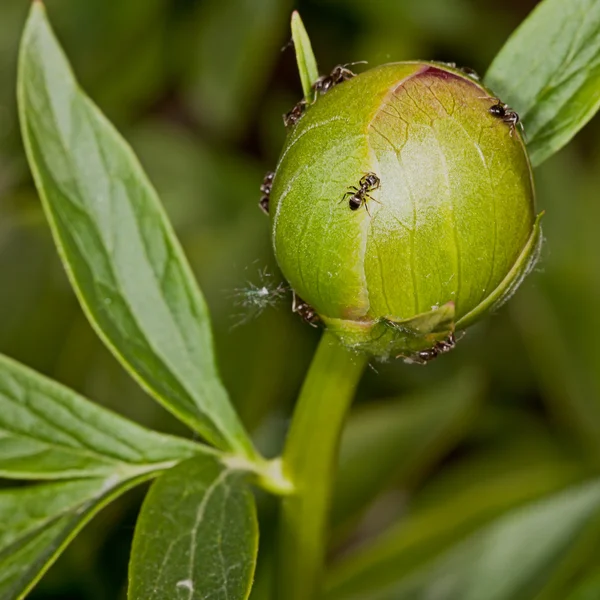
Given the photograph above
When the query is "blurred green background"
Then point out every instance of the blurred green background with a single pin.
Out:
(198, 87)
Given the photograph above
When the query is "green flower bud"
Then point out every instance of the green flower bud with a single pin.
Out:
(402, 208)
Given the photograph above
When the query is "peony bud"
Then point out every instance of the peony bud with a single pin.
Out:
(402, 207)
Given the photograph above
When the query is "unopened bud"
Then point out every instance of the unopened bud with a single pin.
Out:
(402, 207)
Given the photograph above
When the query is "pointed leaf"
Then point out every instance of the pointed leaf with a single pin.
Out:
(49, 432)
(421, 538)
(37, 522)
(307, 64)
(196, 537)
(515, 556)
(587, 589)
(549, 72)
(117, 245)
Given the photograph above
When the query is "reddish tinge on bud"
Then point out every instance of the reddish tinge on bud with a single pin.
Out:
(402, 207)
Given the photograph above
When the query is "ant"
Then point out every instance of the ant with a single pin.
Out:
(293, 116)
(306, 312)
(265, 188)
(472, 73)
(338, 75)
(358, 195)
(322, 85)
(506, 114)
(425, 356)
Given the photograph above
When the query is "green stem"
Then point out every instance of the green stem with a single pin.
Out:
(309, 462)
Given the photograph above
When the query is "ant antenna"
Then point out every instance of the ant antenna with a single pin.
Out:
(289, 44)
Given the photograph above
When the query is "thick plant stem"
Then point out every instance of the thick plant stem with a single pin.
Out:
(309, 462)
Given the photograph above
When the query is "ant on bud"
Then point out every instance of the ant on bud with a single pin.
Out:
(293, 116)
(425, 356)
(306, 312)
(507, 115)
(472, 73)
(265, 188)
(338, 75)
(322, 85)
(358, 195)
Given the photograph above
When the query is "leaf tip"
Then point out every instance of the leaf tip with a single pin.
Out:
(37, 10)
(297, 25)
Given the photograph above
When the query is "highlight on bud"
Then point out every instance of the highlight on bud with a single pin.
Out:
(402, 207)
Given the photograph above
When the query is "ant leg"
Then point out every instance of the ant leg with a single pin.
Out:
(353, 190)
(512, 124)
(356, 62)
(494, 98)
(414, 359)
(374, 199)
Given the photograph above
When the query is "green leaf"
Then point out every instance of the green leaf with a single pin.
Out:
(49, 432)
(307, 64)
(419, 539)
(196, 537)
(117, 245)
(549, 72)
(502, 444)
(263, 587)
(587, 589)
(514, 557)
(397, 441)
(38, 522)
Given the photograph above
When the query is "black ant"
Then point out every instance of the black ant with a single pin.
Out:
(472, 73)
(506, 114)
(358, 195)
(265, 188)
(322, 85)
(306, 312)
(338, 75)
(293, 116)
(425, 356)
